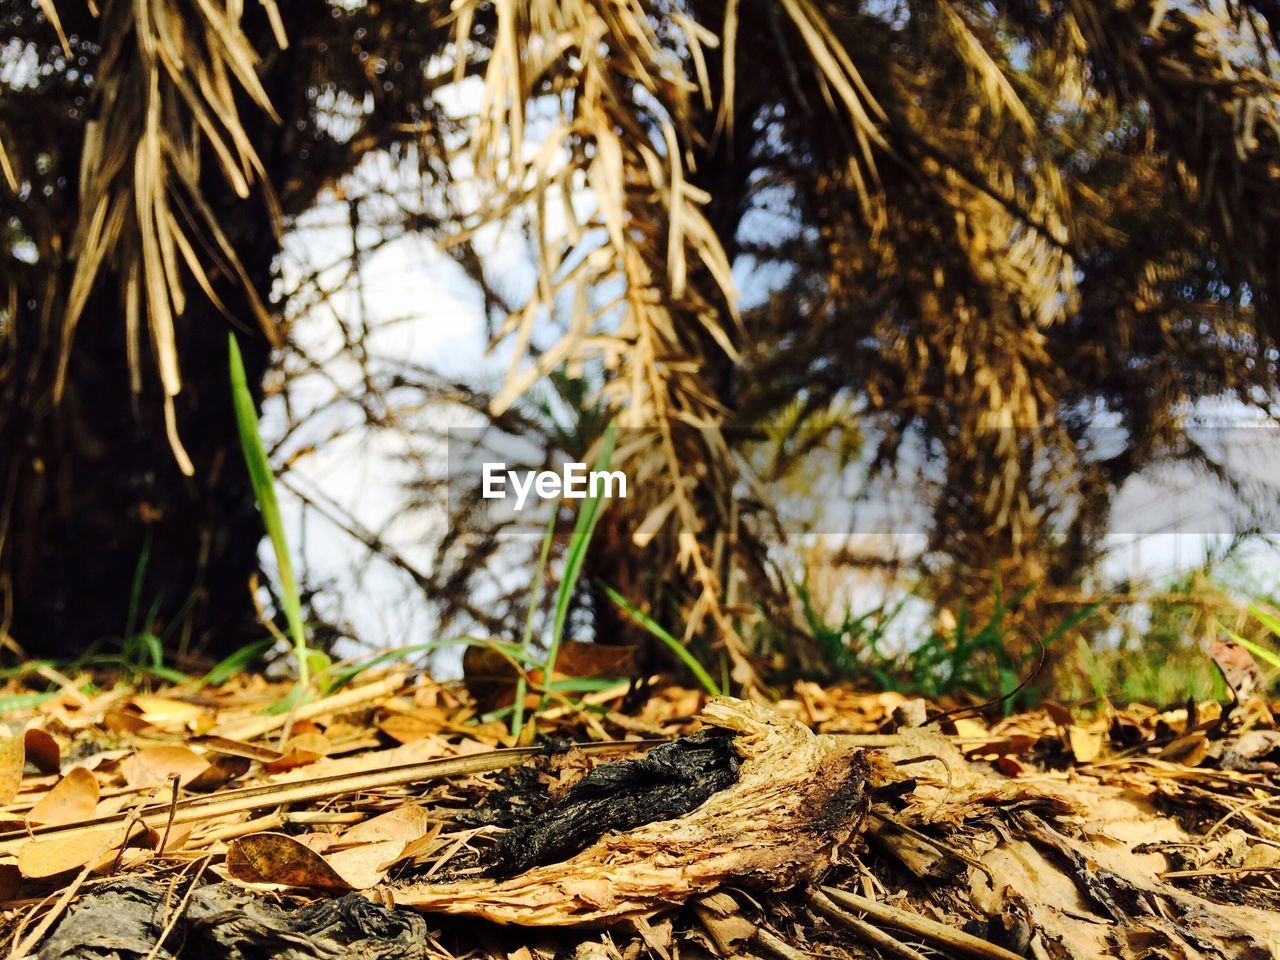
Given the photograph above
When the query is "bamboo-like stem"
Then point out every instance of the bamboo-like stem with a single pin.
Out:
(937, 934)
(864, 931)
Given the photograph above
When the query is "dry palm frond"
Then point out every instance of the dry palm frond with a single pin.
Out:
(166, 90)
(624, 129)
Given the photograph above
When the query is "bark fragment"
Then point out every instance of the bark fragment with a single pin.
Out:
(798, 796)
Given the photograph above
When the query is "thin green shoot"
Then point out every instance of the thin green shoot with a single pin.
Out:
(526, 640)
(675, 646)
(135, 592)
(1270, 657)
(263, 480)
(583, 528)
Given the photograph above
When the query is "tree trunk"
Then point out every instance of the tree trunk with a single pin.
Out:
(99, 499)
(91, 496)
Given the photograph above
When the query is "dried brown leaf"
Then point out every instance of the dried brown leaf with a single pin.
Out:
(153, 766)
(47, 858)
(13, 758)
(72, 799)
(1085, 744)
(403, 824)
(279, 858)
(42, 750)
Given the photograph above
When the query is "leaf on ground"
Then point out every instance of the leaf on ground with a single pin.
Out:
(42, 750)
(12, 759)
(319, 842)
(1060, 715)
(300, 751)
(167, 711)
(72, 799)
(47, 858)
(408, 727)
(1189, 751)
(403, 824)
(1085, 744)
(153, 766)
(969, 727)
(279, 858)
(364, 866)
(221, 769)
(428, 843)
(125, 719)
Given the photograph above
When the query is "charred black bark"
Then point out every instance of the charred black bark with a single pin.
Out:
(671, 781)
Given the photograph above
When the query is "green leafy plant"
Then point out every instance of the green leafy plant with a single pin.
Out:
(526, 639)
(840, 641)
(263, 480)
(985, 661)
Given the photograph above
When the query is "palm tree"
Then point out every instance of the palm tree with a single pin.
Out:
(985, 225)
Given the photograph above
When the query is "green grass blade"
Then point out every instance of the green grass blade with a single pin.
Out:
(263, 480)
(583, 528)
(236, 662)
(674, 645)
(1262, 653)
(135, 591)
(526, 640)
(1266, 619)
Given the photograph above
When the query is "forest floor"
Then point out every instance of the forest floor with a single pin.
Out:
(386, 819)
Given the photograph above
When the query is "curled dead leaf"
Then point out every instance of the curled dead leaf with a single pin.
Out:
(300, 751)
(167, 711)
(407, 728)
(220, 770)
(365, 866)
(1085, 744)
(42, 750)
(47, 858)
(403, 824)
(425, 845)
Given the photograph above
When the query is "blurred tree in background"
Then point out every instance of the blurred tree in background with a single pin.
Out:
(975, 232)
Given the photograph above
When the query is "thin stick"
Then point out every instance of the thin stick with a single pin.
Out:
(860, 928)
(251, 727)
(173, 807)
(938, 934)
(176, 915)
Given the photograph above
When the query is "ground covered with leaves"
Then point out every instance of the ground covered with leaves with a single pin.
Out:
(388, 818)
